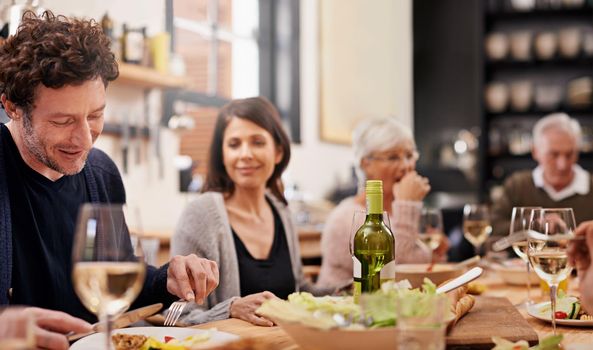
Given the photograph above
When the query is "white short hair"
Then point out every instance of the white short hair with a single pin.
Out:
(557, 121)
(375, 135)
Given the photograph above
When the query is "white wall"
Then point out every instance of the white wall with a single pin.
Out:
(316, 166)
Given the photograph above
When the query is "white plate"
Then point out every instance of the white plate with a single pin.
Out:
(533, 311)
(97, 341)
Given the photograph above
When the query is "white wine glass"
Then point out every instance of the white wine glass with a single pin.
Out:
(476, 224)
(549, 237)
(521, 218)
(108, 265)
(430, 229)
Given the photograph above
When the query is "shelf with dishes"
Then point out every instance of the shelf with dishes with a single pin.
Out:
(577, 11)
(578, 113)
(581, 61)
(144, 77)
(512, 138)
(526, 156)
(500, 167)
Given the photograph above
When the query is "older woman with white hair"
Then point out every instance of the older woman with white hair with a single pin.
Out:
(384, 150)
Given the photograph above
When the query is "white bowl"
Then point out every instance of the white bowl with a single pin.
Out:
(497, 46)
(339, 339)
(496, 96)
(415, 273)
(516, 274)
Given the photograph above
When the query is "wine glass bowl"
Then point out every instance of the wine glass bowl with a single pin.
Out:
(108, 266)
(551, 232)
(521, 218)
(476, 224)
(430, 229)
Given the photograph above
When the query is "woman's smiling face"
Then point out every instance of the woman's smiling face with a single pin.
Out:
(249, 153)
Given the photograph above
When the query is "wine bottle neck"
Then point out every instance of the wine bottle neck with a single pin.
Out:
(374, 203)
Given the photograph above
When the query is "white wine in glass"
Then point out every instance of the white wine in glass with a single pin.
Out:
(431, 240)
(109, 269)
(476, 224)
(551, 232)
(113, 285)
(430, 229)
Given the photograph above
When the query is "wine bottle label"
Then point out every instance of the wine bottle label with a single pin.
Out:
(388, 271)
(357, 269)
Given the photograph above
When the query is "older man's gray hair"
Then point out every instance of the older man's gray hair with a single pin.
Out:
(376, 135)
(556, 121)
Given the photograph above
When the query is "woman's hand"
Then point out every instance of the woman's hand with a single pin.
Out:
(244, 308)
(440, 253)
(412, 187)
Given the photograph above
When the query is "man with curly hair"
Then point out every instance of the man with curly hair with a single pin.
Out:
(53, 75)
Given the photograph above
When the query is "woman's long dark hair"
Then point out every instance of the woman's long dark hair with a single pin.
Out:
(262, 112)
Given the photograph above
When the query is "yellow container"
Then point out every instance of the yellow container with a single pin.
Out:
(543, 285)
(159, 48)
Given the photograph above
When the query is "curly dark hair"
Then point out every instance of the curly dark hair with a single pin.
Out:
(262, 112)
(54, 51)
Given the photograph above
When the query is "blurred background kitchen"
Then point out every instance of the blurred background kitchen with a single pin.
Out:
(469, 77)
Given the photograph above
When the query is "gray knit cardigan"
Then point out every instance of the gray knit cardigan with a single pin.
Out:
(204, 230)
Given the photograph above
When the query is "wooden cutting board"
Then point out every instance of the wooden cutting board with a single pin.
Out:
(489, 317)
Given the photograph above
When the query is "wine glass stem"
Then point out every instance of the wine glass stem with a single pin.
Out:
(107, 321)
(477, 250)
(553, 288)
(528, 283)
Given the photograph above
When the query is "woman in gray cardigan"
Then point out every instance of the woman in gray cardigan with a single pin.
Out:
(242, 221)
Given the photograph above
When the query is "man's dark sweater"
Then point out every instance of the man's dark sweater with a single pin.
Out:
(99, 181)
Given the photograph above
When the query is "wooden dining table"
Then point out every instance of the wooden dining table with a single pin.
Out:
(275, 338)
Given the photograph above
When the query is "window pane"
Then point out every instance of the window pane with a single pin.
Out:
(196, 142)
(241, 17)
(245, 77)
(196, 10)
(225, 13)
(236, 67)
(225, 69)
(195, 50)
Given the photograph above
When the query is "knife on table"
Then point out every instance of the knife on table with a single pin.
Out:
(122, 321)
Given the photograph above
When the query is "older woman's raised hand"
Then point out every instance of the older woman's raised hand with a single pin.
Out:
(412, 187)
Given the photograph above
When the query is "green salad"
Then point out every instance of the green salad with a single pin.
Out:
(377, 309)
(549, 343)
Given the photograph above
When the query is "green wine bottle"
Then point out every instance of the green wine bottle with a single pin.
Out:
(373, 246)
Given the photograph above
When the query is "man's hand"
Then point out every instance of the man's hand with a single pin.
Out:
(412, 187)
(192, 278)
(49, 326)
(579, 253)
(244, 308)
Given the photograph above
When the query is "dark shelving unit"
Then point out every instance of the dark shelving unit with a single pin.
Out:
(553, 63)
(508, 14)
(497, 162)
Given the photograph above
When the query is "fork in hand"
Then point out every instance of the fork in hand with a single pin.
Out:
(175, 311)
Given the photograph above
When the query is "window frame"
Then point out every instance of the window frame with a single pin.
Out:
(275, 41)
